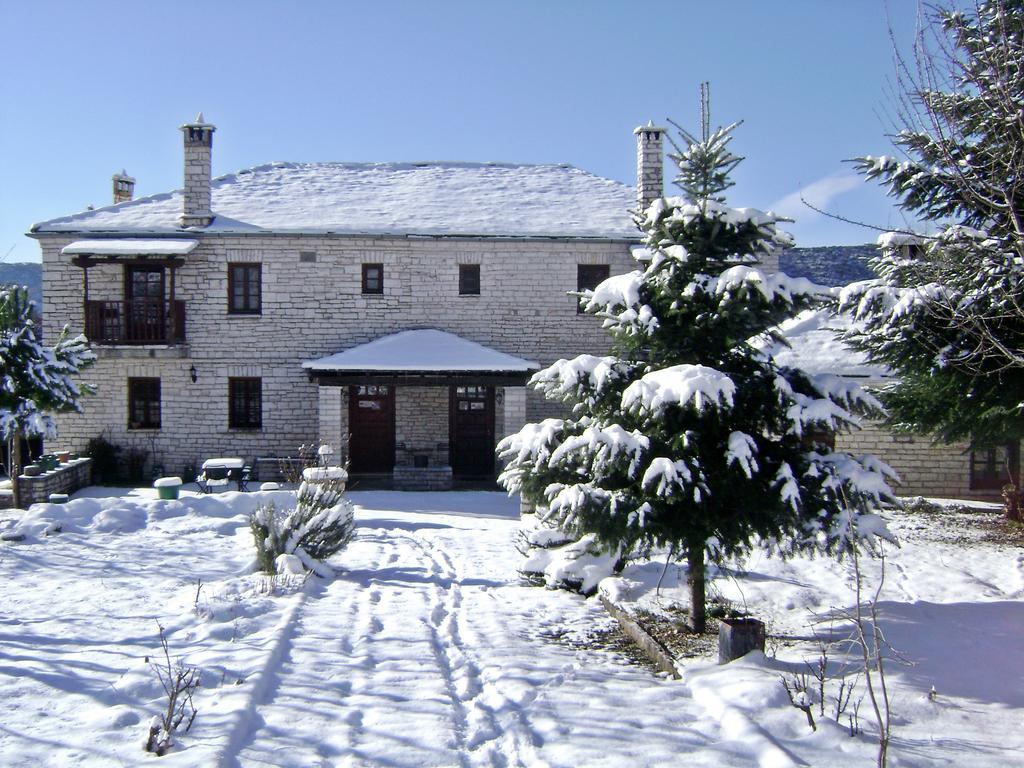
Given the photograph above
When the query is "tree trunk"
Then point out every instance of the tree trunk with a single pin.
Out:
(16, 464)
(1012, 502)
(695, 579)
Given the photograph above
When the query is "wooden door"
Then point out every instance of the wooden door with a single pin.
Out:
(371, 420)
(144, 307)
(472, 431)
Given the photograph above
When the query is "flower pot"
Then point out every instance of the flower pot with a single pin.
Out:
(32, 470)
(167, 487)
(738, 637)
(64, 456)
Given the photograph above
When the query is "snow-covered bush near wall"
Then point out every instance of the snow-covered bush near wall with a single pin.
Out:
(300, 539)
(558, 561)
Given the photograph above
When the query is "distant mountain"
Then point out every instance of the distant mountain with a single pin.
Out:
(24, 273)
(830, 264)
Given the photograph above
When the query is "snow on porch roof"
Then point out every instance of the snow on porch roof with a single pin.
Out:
(131, 247)
(425, 350)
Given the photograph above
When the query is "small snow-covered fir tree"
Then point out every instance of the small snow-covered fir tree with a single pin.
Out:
(35, 381)
(691, 438)
(950, 319)
(321, 524)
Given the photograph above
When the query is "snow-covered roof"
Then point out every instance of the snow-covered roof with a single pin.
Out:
(422, 350)
(434, 199)
(816, 348)
(131, 246)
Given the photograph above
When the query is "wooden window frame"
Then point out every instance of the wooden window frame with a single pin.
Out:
(240, 402)
(251, 289)
(588, 277)
(144, 400)
(469, 279)
(368, 289)
(992, 479)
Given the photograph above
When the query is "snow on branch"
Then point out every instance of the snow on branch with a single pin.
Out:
(697, 386)
(617, 300)
(579, 377)
(679, 211)
(604, 444)
(777, 285)
(531, 445)
(666, 476)
(741, 450)
(864, 474)
(565, 502)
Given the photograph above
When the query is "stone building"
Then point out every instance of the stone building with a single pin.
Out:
(394, 311)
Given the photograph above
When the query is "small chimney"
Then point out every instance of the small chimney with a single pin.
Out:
(124, 187)
(198, 153)
(650, 160)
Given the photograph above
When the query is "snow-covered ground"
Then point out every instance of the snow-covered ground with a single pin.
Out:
(426, 650)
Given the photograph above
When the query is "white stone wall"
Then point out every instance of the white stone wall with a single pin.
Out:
(313, 309)
(421, 424)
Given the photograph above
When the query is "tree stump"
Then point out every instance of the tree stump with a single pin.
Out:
(738, 637)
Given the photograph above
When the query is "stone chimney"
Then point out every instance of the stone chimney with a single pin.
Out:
(124, 187)
(650, 159)
(198, 152)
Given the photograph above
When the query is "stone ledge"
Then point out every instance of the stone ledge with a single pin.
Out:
(652, 648)
(133, 351)
(422, 478)
(67, 478)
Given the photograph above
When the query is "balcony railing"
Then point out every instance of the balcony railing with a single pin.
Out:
(145, 321)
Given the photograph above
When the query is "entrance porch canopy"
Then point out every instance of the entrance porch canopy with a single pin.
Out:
(425, 357)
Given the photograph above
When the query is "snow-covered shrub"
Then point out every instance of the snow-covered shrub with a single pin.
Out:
(319, 525)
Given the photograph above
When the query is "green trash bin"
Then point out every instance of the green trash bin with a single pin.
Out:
(167, 487)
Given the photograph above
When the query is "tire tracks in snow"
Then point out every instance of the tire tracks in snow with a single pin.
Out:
(335, 685)
(266, 682)
(483, 739)
(300, 630)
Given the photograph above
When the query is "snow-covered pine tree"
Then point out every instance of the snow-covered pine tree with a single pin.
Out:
(950, 319)
(35, 381)
(690, 438)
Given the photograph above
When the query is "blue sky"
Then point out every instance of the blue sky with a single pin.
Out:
(92, 87)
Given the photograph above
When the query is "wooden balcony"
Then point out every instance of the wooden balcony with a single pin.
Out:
(147, 321)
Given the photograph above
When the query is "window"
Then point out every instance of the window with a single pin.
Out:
(245, 403)
(143, 403)
(471, 398)
(244, 289)
(588, 276)
(373, 278)
(469, 279)
(307, 257)
(992, 468)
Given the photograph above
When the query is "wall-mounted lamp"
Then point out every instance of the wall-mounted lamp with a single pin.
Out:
(192, 374)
